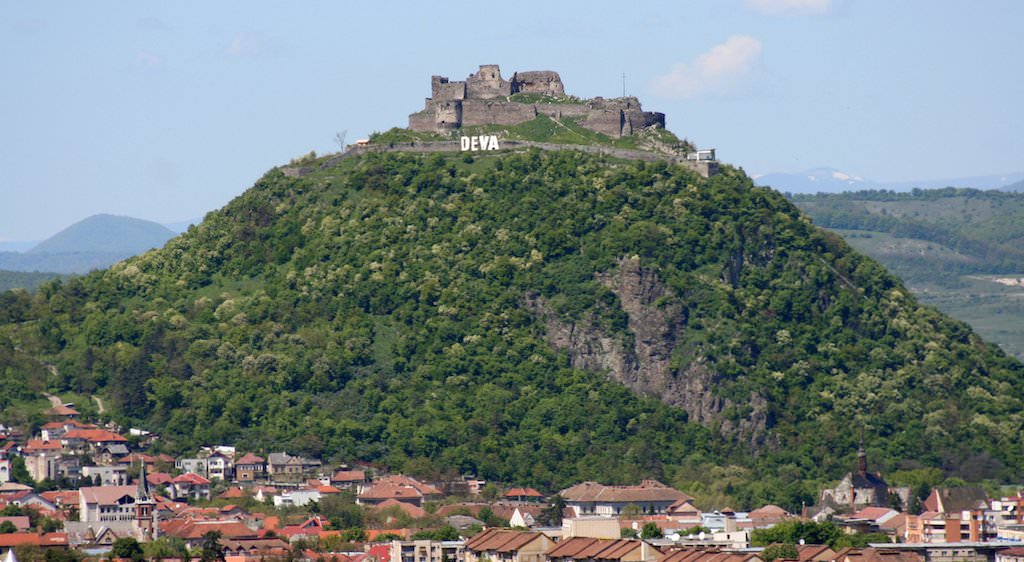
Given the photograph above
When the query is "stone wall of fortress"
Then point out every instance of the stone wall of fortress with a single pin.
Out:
(483, 99)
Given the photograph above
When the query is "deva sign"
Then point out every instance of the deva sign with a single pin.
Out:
(480, 142)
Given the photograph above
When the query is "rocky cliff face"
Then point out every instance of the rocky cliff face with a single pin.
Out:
(642, 359)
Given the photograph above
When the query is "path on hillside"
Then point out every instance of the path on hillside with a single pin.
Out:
(99, 405)
(55, 401)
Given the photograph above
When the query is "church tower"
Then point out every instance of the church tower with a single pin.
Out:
(145, 507)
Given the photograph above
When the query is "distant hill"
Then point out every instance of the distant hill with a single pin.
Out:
(1016, 186)
(93, 243)
(106, 234)
(831, 180)
(960, 250)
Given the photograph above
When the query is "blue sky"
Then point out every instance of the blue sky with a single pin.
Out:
(165, 111)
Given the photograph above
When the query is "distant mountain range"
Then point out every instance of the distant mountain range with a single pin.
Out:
(831, 180)
(93, 243)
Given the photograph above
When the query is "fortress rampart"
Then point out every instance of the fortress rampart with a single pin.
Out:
(484, 98)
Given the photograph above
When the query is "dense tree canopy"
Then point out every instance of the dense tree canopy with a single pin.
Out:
(376, 309)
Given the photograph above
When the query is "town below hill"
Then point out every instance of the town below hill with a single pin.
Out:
(75, 489)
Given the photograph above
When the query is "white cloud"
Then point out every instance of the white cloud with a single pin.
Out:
(790, 7)
(146, 59)
(721, 71)
(251, 44)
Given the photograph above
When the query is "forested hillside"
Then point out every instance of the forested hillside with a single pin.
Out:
(22, 279)
(961, 250)
(438, 313)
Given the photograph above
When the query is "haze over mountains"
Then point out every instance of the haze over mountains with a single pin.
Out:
(831, 180)
(93, 243)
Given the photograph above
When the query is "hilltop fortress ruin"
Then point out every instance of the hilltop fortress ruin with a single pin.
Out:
(485, 98)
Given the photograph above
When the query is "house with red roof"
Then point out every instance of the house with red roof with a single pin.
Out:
(190, 486)
(409, 509)
(20, 522)
(713, 555)
(192, 530)
(426, 550)
(586, 549)
(63, 411)
(348, 478)
(523, 495)
(234, 493)
(44, 540)
(506, 545)
(399, 488)
(380, 493)
(650, 497)
(91, 441)
(250, 468)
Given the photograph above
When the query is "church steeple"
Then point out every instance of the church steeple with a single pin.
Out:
(142, 490)
(144, 506)
(862, 461)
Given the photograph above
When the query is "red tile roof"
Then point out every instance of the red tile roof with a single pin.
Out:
(349, 476)
(233, 493)
(61, 410)
(192, 529)
(159, 478)
(503, 540)
(709, 555)
(407, 508)
(61, 497)
(41, 445)
(523, 492)
(94, 436)
(21, 539)
(250, 458)
(402, 480)
(191, 478)
(647, 491)
(585, 548)
(387, 491)
(106, 495)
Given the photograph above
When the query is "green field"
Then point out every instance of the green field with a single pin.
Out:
(993, 309)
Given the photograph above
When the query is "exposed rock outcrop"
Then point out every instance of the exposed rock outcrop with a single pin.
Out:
(643, 358)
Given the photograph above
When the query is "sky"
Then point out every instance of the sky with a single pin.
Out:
(166, 111)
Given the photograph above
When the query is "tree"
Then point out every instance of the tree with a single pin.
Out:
(127, 548)
(651, 530)
(627, 533)
(446, 533)
(631, 511)
(339, 138)
(212, 550)
(551, 516)
(19, 472)
(895, 502)
(776, 551)
(7, 528)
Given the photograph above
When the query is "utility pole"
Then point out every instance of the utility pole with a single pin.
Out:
(623, 84)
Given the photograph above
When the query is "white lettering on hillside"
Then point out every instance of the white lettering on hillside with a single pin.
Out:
(480, 142)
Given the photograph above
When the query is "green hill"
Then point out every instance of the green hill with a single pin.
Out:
(93, 243)
(959, 249)
(23, 280)
(532, 317)
(106, 234)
